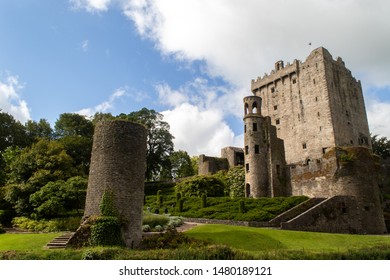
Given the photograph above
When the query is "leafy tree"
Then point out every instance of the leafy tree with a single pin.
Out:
(159, 141)
(55, 198)
(36, 130)
(195, 164)
(381, 146)
(102, 117)
(12, 132)
(235, 181)
(181, 164)
(34, 167)
(70, 124)
(80, 149)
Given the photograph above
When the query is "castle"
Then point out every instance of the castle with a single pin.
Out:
(306, 133)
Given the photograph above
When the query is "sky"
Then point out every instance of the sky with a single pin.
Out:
(191, 60)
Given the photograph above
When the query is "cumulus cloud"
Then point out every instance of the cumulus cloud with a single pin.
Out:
(11, 101)
(104, 106)
(198, 131)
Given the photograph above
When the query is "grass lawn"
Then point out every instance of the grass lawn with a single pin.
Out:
(25, 241)
(263, 239)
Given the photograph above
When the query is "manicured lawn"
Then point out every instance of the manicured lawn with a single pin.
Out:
(263, 239)
(25, 241)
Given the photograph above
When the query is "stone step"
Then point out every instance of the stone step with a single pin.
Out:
(60, 242)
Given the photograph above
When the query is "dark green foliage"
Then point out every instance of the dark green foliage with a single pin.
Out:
(380, 146)
(107, 206)
(6, 216)
(71, 124)
(12, 132)
(204, 200)
(159, 198)
(166, 187)
(178, 196)
(198, 185)
(241, 206)
(181, 165)
(1, 229)
(106, 232)
(181, 205)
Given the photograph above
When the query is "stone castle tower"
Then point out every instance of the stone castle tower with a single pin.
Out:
(306, 133)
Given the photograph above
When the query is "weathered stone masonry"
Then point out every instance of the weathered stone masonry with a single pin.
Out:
(118, 165)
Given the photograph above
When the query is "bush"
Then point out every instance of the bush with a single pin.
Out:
(154, 220)
(145, 228)
(107, 207)
(198, 185)
(1, 229)
(158, 228)
(106, 232)
(60, 224)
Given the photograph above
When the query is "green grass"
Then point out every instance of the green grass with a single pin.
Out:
(263, 239)
(25, 241)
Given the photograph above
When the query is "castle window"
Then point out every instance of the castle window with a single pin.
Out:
(320, 128)
(257, 149)
(272, 89)
(294, 81)
(277, 121)
(246, 108)
(276, 107)
(254, 108)
(304, 146)
(366, 208)
(246, 150)
(245, 128)
(254, 126)
(351, 142)
(247, 167)
(278, 170)
(316, 98)
(324, 150)
(318, 114)
(314, 81)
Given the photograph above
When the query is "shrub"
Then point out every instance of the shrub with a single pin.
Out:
(159, 198)
(60, 224)
(106, 232)
(181, 205)
(154, 220)
(158, 228)
(198, 185)
(145, 228)
(1, 229)
(204, 200)
(241, 206)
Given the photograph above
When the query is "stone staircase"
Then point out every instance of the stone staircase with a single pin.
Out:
(60, 242)
(295, 211)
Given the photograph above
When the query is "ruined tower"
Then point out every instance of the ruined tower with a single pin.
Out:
(118, 164)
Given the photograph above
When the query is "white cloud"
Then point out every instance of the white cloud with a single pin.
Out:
(91, 5)
(10, 100)
(104, 106)
(240, 40)
(198, 131)
(378, 114)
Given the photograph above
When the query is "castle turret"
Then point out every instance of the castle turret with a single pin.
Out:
(255, 150)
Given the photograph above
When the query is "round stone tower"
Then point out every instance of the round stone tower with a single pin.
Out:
(255, 150)
(117, 167)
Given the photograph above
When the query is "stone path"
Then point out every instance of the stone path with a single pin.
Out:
(60, 242)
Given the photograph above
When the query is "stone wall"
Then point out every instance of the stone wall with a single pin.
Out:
(347, 171)
(211, 165)
(118, 165)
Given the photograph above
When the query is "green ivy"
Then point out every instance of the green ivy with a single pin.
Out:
(106, 232)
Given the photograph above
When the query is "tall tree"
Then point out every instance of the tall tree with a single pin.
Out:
(159, 140)
(70, 124)
(36, 130)
(12, 132)
(181, 164)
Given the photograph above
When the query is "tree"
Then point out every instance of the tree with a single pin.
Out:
(380, 146)
(181, 165)
(34, 167)
(159, 140)
(70, 124)
(36, 130)
(12, 132)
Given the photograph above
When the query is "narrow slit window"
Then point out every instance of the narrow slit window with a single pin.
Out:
(257, 149)
(254, 126)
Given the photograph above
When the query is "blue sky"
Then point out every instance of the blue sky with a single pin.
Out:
(191, 60)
